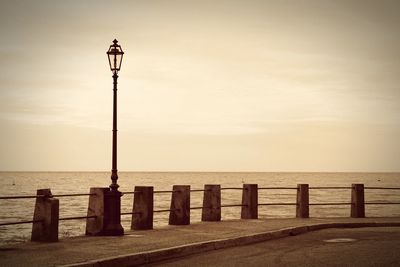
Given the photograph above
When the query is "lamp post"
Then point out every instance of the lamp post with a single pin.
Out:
(112, 209)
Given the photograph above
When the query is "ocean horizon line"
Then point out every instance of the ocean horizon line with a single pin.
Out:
(189, 171)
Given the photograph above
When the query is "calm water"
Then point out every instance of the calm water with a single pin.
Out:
(26, 183)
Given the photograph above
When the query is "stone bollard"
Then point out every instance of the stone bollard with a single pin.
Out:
(302, 205)
(46, 210)
(142, 217)
(357, 201)
(95, 226)
(180, 205)
(250, 201)
(211, 203)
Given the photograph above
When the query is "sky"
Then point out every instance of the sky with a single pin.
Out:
(205, 85)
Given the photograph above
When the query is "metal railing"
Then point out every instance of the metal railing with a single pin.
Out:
(327, 203)
(381, 188)
(45, 196)
(246, 204)
(277, 203)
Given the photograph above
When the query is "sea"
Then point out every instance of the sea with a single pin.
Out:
(26, 183)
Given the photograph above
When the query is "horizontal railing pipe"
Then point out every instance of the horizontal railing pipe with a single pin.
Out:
(382, 203)
(196, 208)
(198, 190)
(130, 213)
(231, 188)
(232, 205)
(131, 193)
(17, 197)
(329, 187)
(277, 204)
(329, 204)
(166, 191)
(73, 195)
(20, 222)
(277, 188)
(77, 218)
(166, 210)
(382, 188)
(39, 196)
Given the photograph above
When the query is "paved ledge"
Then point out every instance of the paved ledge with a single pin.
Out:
(140, 247)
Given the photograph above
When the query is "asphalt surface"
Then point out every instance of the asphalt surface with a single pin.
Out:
(330, 247)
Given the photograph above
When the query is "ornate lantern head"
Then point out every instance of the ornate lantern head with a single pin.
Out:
(115, 55)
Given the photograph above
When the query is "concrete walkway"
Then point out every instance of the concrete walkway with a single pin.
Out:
(140, 247)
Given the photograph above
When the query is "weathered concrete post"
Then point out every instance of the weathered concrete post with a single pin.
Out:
(180, 205)
(357, 201)
(302, 205)
(250, 201)
(142, 217)
(47, 211)
(95, 226)
(211, 203)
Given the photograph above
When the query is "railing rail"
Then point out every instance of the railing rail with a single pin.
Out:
(277, 204)
(130, 213)
(382, 188)
(20, 222)
(166, 191)
(77, 218)
(382, 203)
(166, 210)
(232, 205)
(197, 208)
(19, 197)
(130, 192)
(198, 190)
(48, 196)
(73, 195)
(330, 187)
(277, 188)
(232, 188)
(330, 204)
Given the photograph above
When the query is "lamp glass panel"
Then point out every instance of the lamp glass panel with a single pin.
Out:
(110, 60)
(119, 61)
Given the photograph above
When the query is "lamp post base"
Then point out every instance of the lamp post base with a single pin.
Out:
(112, 213)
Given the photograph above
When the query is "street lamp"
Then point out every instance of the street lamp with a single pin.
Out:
(113, 197)
(115, 55)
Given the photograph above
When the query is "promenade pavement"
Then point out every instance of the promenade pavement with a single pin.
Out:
(141, 247)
